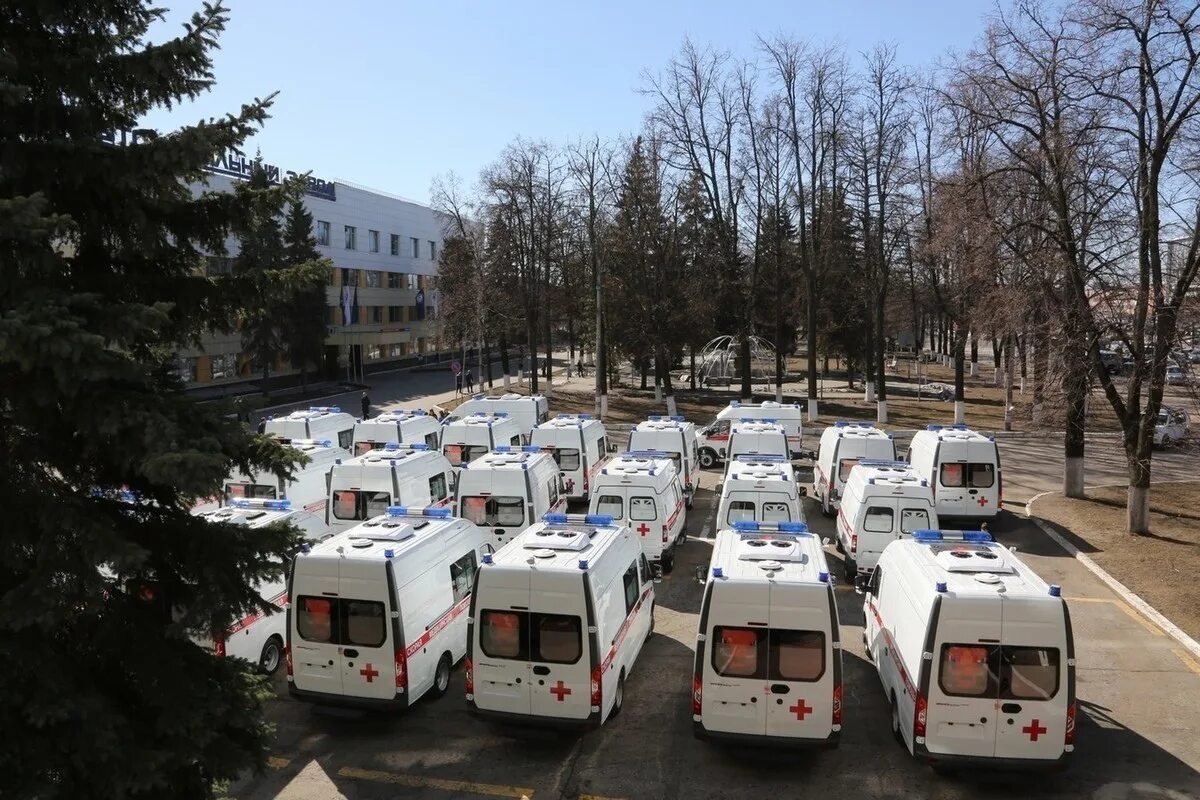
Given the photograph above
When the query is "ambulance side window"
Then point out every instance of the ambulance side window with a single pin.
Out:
(876, 580)
(739, 652)
(437, 487)
(878, 519)
(552, 489)
(346, 439)
(644, 569)
(632, 588)
(462, 576)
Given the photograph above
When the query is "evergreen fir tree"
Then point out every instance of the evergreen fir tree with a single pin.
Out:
(304, 317)
(103, 693)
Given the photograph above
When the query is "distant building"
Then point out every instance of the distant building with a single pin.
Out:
(382, 299)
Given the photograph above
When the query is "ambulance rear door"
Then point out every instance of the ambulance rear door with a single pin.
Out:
(800, 662)
(1035, 679)
(963, 686)
(735, 671)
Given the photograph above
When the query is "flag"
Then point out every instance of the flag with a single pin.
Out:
(421, 304)
(354, 313)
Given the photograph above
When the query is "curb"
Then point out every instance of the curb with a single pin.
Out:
(1121, 589)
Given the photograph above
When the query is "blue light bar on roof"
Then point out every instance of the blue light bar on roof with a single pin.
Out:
(745, 525)
(392, 446)
(598, 519)
(555, 518)
(650, 454)
(435, 512)
(934, 427)
(977, 536)
(503, 448)
(770, 458)
(926, 535)
(534, 448)
(883, 462)
(326, 409)
(272, 505)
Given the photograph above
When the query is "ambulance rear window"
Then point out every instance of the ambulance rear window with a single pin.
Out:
(363, 447)
(844, 467)
(739, 510)
(504, 511)
(797, 655)
(567, 458)
(314, 621)
(981, 476)
(351, 504)
(364, 623)
(612, 505)
(504, 634)
(1029, 673)
(557, 638)
(913, 519)
(965, 671)
(249, 490)
(642, 508)
(739, 652)
(341, 621)
(776, 512)
(952, 475)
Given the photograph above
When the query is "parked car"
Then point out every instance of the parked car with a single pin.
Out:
(1172, 426)
(1176, 376)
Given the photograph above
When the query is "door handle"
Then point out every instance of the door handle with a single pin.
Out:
(972, 491)
(499, 531)
(780, 688)
(539, 670)
(348, 653)
(1011, 708)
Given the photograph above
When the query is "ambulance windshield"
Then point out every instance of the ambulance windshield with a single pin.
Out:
(492, 511)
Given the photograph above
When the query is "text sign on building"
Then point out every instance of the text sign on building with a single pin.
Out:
(238, 166)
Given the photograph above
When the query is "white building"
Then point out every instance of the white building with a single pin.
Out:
(382, 297)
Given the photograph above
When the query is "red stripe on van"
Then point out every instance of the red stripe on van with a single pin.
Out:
(671, 519)
(248, 620)
(437, 627)
(317, 506)
(620, 637)
(909, 686)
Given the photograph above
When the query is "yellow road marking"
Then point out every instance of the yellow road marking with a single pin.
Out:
(1188, 661)
(275, 762)
(419, 782)
(1121, 604)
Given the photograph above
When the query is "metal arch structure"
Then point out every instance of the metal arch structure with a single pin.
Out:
(718, 360)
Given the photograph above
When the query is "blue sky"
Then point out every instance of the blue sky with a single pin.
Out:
(390, 94)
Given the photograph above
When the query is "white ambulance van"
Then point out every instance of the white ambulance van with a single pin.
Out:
(306, 489)
(259, 637)
(558, 618)
(467, 438)
(642, 490)
(378, 614)
(974, 651)
(768, 666)
(749, 438)
(842, 445)
(579, 445)
(319, 422)
(405, 427)
(714, 438)
(760, 489)
(362, 488)
(508, 490)
(963, 467)
(676, 438)
(528, 411)
(882, 501)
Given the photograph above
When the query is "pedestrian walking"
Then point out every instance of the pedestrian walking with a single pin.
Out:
(366, 405)
(579, 368)
(262, 425)
(470, 382)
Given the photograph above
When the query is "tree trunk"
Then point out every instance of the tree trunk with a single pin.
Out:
(644, 366)
(868, 361)
(744, 355)
(811, 314)
(505, 366)
(668, 387)
(1008, 389)
(1137, 504)
(880, 362)
(487, 360)
(692, 359)
(975, 353)
(531, 339)
(960, 357)
(1073, 445)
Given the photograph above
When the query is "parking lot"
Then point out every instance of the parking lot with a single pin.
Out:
(1137, 729)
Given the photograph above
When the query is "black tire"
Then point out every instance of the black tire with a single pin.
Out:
(271, 656)
(708, 458)
(849, 569)
(618, 695)
(867, 648)
(651, 631)
(668, 562)
(682, 537)
(441, 677)
(827, 510)
(896, 722)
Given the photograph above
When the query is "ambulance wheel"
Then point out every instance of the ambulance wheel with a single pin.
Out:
(896, 720)
(272, 654)
(650, 632)
(850, 569)
(441, 678)
(618, 696)
(668, 562)
(708, 458)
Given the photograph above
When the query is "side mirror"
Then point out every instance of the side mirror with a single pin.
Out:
(802, 491)
(702, 575)
(657, 571)
(861, 583)
(826, 541)
(612, 448)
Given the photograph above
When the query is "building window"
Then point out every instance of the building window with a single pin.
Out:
(351, 237)
(433, 251)
(394, 314)
(373, 241)
(396, 350)
(412, 282)
(185, 368)
(218, 265)
(323, 235)
(349, 277)
(395, 244)
(373, 279)
(374, 353)
(395, 280)
(416, 247)
(224, 366)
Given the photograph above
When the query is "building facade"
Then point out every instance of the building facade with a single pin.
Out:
(381, 302)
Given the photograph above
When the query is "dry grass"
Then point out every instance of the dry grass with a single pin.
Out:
(1161, 567)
